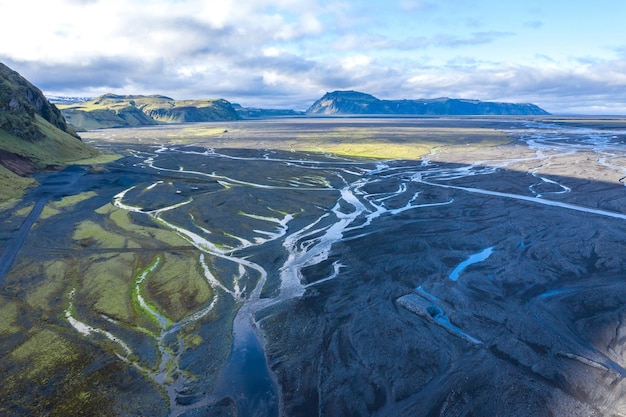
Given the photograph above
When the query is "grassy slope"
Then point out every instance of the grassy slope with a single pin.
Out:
(56, 148)
(11, 185)
(106, 118)
(128, 111)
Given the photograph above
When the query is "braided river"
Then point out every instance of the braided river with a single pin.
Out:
(264, 282)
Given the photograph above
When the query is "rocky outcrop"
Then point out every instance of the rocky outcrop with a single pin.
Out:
(357, 103)
(20, 101)
(34, 135)
(190, 111)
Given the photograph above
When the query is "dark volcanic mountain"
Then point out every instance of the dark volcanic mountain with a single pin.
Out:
(354, 102)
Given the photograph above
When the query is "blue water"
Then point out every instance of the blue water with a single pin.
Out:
(442, 319)
(421, 291)
(472, 259)
(553, 293)
(246, 377)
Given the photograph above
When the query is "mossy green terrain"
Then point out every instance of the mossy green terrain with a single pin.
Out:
(12, 186)
(20, 102)
(408, 143)
(53, 287)
(56, 207)
(360, 138)
(87, 254)
(89, 233)
(149, 236)
(33, 135)
(96, 286)
(8, 317)
(54, 149)
(112, 110)
(179, 288)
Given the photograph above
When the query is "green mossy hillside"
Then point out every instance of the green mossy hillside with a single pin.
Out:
(112, 110)
(19, 158)
(20, 102)
(33, 135)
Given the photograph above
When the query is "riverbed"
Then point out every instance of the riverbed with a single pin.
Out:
(214, 280)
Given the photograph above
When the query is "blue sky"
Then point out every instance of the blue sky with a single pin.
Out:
(566, 56)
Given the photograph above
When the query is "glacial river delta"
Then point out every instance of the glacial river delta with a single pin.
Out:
(336, 267)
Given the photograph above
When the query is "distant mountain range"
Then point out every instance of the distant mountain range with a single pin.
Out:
(111, 110)
(35, 134)
(256, 113)
(357, 103)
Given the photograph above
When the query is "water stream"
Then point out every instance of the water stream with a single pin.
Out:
(245, 376)
(472, 259)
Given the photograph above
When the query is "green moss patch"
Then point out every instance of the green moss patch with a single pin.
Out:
(12, 186)
(121, 218)
(178, 287)
(42, 294)
(8, 316)
(89, 233)
(42, 352)
(56, 207)
(402, 143)
(107, 285)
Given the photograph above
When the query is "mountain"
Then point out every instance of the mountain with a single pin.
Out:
(20, 101)
(34, 135)
(259, 113)
(355, 103)
(111, 110)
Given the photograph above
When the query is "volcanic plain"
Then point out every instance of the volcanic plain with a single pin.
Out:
(323, 266)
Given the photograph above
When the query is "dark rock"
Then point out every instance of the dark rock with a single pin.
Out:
(357, 103)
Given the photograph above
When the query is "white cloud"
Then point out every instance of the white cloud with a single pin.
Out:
(356, 63)
(271, 52)
(289, 52)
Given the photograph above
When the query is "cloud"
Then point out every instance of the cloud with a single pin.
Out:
(105, 73)
(290, 81)
(590, 89)
(351, 42)
(287, 53)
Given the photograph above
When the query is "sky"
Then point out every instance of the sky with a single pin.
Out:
(567, 56)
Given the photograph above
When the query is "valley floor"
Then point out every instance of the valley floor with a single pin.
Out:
(276, 268)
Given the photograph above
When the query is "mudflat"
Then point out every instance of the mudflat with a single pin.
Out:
(427, 267)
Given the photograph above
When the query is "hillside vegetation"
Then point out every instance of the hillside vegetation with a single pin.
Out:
(357, 103)
(111, 110)
(34, 135)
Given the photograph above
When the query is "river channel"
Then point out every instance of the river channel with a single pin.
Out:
(313, 273)
(364, 192)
